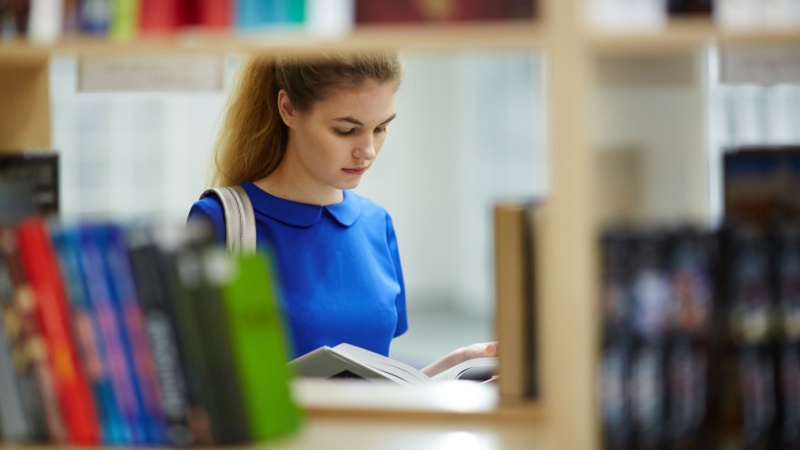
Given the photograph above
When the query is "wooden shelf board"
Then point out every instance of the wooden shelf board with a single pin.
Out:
(440, 402)
(485, 36)
(686, 35)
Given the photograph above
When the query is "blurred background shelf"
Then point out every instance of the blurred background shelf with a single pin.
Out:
(685, 35)
(485, 36)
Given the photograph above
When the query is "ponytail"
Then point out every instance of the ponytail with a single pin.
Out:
(253, 137)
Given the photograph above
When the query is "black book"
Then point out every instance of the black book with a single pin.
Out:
(40, 172)
(22, 417)
(159, 319)
(205, 333)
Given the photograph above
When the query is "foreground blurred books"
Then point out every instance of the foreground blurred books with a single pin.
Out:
(137, 335)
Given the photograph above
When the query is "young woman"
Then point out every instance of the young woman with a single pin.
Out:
(298, 136)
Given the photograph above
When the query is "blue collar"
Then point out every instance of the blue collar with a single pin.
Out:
(297, 214)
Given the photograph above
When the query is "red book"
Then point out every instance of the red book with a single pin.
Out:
(40, 267)
(389, 11)
(162, 17)
(215, 14)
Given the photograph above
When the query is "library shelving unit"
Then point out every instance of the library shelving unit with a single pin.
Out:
(626, 118)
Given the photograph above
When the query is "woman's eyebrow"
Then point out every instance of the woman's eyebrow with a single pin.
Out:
(358, 122)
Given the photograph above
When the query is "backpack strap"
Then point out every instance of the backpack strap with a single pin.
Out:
(240, 220)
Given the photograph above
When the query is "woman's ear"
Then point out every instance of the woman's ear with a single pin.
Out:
(286, 109)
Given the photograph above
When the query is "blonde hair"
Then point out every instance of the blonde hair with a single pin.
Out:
(253, 137)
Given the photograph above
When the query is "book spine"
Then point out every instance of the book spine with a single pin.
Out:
(254, 14)
(113, 337)
(228, 415)
(91, 348)
(259, 343)
(94, 16)
(46, 20)
(124, 19)
(41, 270)
(181, 274)
(115, 261)
(216, 14)
(160, 325)
(16, 424)
(158, 17)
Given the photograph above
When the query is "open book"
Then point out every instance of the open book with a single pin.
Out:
(349, 361)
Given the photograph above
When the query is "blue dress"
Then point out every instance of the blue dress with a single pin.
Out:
(338, 265)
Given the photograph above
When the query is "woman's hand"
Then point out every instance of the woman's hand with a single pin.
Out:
(483, 350)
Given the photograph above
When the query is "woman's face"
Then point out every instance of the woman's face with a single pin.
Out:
(334, 144)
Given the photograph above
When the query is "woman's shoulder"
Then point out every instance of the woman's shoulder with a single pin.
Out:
(209, 207)
(369, 208)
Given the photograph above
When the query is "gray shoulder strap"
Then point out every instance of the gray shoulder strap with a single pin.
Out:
(240, 220)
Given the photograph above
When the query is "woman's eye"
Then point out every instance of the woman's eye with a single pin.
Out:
(380, 130)
(344, 132)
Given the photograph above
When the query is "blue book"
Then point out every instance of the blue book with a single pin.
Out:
(112, 334)
(92, 349)
(253, 15)
(94, 16)
(110, 242)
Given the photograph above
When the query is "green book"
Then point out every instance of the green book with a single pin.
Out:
(257, 334)
(124, 19)
(296, 11)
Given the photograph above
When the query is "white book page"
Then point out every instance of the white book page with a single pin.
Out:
(383, 364)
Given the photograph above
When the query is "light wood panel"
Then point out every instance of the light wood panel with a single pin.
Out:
(566, 256)
(25, 105)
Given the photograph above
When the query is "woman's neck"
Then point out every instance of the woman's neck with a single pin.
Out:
(290, 184)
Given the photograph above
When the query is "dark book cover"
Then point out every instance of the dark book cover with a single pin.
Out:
(159, 319)
(22, 416)
(202, 399)
(14, 17)
(690, 7)
(748, 407)
(227, 412)
(760, 185)
(40, 171)
(391, 11)
(786, 247)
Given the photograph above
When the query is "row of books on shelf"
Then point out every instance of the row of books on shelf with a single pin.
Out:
(728, 14)
(124, 19)
(701, 337)
(137, 336)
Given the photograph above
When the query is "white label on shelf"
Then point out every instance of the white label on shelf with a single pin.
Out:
(131, 73)
(626, 15)
(782, 14)
(739, 14)
(765, 66)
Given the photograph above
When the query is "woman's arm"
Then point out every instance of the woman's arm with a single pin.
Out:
(483, 350)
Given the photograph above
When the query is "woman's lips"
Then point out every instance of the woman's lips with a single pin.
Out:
(355, 171)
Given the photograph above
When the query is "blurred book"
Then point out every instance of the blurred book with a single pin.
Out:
(40, 172)
(760, 184)
(515, 298)
(682, 8)
(389, 11)
(41, 270)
